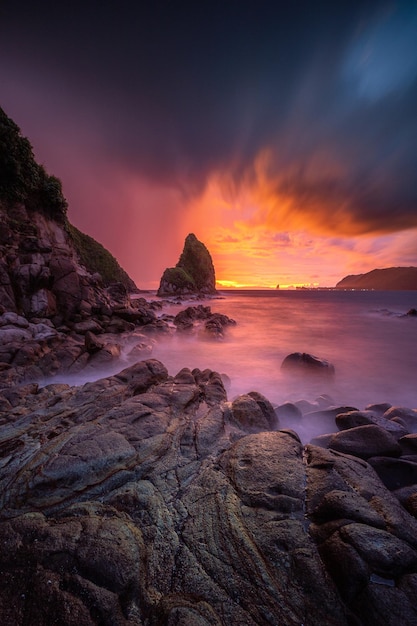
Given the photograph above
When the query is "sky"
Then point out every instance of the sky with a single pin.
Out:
(283, 134)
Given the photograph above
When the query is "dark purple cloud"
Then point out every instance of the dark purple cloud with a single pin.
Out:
(173, 91)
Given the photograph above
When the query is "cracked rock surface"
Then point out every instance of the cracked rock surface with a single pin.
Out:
(144, 499)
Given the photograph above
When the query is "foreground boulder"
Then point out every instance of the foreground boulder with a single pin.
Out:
(146, 499)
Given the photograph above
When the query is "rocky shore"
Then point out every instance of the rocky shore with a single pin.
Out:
(148, 499)
(35, 349)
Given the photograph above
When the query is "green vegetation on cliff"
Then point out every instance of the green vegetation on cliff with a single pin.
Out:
(25, 183)
(96, 258)
(22, 179)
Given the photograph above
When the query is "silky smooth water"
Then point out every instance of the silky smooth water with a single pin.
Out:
(365, 334)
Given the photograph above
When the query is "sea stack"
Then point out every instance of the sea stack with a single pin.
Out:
(193, 274)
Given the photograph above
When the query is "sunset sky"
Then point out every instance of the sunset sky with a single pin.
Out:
(283, 134)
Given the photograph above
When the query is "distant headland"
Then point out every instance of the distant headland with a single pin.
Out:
(390, 278)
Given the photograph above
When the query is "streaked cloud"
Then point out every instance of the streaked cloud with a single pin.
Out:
(284, 136)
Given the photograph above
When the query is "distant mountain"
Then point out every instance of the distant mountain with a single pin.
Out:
(390, 278)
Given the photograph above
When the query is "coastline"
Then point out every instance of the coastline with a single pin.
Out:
(163, 495)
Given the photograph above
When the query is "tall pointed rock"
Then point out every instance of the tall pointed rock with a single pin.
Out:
(193, 274)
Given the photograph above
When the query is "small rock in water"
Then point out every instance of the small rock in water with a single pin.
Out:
(289, 413)
(304, 363)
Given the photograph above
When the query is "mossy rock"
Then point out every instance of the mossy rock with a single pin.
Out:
(178, 278)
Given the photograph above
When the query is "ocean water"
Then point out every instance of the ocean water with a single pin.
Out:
(366, 335)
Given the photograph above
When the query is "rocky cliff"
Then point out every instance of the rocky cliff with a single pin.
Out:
(390, 278)
(48, 268)
(43, 270)
(59, 288)
(193, 274)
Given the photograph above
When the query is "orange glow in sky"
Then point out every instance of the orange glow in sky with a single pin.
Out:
(260, 232)
(260, 238)
(286, 143)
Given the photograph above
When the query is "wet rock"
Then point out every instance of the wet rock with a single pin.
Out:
(92, 343)
(354, 419)
(304, 363)
(144, 498)
(253, 414)
(83, 563)
(140, 350)
(408, 444)
(87, 326)
(325, 419)
(395, 473)
(9, 335)
(108, 353)
(211, 385)
(379, 408)
(9, 319)
(190, 314)
(117, 325)
(410, 503)
(140, 315)
(404, 416)
(215, 325)
(368, 558)
(118, 294)
(323, 441)
(288, 414)
(365, 442)
(142, 375)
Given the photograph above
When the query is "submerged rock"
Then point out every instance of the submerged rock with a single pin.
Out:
(214, 323)
(304, 363)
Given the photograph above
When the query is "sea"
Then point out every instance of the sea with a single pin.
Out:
(366, 335)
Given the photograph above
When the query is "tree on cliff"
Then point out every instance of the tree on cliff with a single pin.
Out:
(24, 180)
(28, 192)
